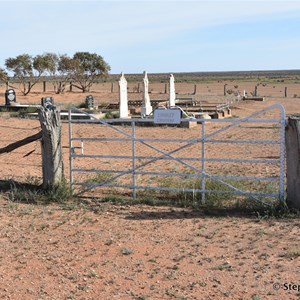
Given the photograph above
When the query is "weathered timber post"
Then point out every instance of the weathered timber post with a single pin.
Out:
(195, 89)
(255, 91)
(285, 92)
(292, 141)
(112, 87)
(225, 89)
(44, 86)
(52, 159)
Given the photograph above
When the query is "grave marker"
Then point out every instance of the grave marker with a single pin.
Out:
(10, 97)
(172, 95)
(167, 116)
(123, 97)
(89, 101)
(146, 104)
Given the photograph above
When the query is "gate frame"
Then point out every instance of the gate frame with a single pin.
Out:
(205, 138)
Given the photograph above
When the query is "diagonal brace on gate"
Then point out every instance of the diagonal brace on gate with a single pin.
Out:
(205, 138)
(164, 154)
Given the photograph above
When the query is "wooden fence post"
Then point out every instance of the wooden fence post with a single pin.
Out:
(285, 92)
(51, 146)
(225, 89)
(44, 86)
(292, 142)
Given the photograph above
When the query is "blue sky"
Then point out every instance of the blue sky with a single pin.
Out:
(158, 36)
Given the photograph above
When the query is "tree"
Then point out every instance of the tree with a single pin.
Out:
(86, 68)
(27, 70)
(66, 67)
(3, 75)
(83, 68)
(58, 67)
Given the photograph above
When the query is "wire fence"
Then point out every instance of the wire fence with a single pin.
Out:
(222, 88)
(24, 163)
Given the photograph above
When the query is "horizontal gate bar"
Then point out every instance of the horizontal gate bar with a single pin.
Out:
(140, 140)
(180, 140)
(192, 190)
(261, 142)
(275, 178)
(231, 120)
(226, 160)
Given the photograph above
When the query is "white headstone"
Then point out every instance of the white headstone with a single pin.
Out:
(146, 104)
(123, 97)
(172, 95)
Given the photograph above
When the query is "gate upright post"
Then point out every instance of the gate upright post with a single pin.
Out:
(203, 160)
(133, 160)
(70, 149)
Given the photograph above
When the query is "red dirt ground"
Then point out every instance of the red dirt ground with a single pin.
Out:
(106, 251)
(142, 252)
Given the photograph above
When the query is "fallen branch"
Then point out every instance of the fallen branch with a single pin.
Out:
(21, 143)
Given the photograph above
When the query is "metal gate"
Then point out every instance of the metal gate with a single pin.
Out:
(215, 161)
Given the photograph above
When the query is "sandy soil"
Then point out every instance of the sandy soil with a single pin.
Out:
(141, 252)
(103, 251)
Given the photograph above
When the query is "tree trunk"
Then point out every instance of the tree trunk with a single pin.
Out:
(52, 159)
(293, 161)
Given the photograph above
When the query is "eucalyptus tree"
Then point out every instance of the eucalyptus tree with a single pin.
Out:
(57, 67)
(66, 69)
(87, 68)
(83, 69)
(3, 75)
(27, 71)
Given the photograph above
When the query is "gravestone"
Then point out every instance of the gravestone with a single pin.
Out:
(167, 116)
(89, 101)
(123, 97)
(146, 104)
(172, 95)
(10, 98)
